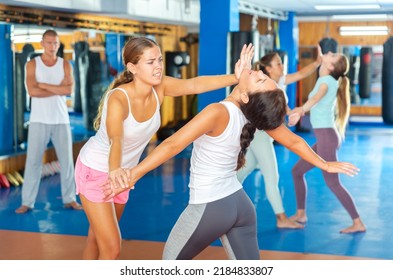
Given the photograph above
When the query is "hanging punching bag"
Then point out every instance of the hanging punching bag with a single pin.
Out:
(21, 97)
(365, 72)
(27, 52)
(237, 40)
(328, 45)
(95, 88)
(387, 82)
(60, 51)
(80, 48)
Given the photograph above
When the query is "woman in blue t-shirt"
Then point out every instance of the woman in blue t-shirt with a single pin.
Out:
(329, 106)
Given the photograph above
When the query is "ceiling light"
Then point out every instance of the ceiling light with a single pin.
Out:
(360, 17)
(28, 38)
(363, 30)
(346, 7)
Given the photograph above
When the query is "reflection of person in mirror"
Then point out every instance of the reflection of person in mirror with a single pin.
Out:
(128, 116)
(329, 107)
(49, 80)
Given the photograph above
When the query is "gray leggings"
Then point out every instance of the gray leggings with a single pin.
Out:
(326, 147)
(232, 219)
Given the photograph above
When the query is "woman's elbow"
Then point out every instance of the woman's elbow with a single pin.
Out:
(172, 146)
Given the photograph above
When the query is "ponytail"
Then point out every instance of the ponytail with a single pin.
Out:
(339, 72)
(343, 105)
(122, 78)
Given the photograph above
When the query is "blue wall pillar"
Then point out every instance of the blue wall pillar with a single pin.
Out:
(6, 90)
(218, 17)
(289, 42)
(113, 47)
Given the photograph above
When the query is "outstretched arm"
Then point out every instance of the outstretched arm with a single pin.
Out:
(205, 122)
(298, 112)
(305, 71)
(178, 87)
(300, 147)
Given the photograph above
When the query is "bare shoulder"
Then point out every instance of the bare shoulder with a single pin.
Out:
(30, 69)
(117, 94)
(216, 110)
(117, 102)
(67, 64)
(30, 63)
(217, 107)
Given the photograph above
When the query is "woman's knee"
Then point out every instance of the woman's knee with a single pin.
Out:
(296, 172)
(110, 250)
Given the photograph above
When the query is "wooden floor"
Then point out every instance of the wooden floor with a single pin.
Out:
(17, 245)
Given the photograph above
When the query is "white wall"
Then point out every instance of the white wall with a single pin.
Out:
(184, 12)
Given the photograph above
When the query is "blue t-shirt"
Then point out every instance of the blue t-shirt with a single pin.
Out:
(322, 114)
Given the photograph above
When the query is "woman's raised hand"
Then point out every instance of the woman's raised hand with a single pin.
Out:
(245, 60)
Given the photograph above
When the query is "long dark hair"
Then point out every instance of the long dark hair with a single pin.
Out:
(264, 111)
(132, 52)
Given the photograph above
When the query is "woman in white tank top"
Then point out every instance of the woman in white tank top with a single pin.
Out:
(221, 133)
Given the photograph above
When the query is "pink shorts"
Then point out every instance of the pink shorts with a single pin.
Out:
(89, 181)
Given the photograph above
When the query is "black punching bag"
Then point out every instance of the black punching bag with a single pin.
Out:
(365, 69)
(236, 43)
(328, 45)
(387, 82)
(81, 50)
(95, 88)
(60, 51)
(21, 97)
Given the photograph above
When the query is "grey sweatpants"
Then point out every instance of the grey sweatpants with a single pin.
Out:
(232, 219)
(39, 135)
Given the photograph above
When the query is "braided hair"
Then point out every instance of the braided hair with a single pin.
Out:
(264, 111)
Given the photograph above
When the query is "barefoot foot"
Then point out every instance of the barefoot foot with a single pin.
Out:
(287, 223)
(357, 226)
(302, 219)
(73, 205)
(23, 209)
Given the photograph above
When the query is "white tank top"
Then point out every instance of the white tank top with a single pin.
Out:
(95, 153)
(52, 109)
(214, 161)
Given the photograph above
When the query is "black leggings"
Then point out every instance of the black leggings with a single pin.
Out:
(326, 146)
(232, 219)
